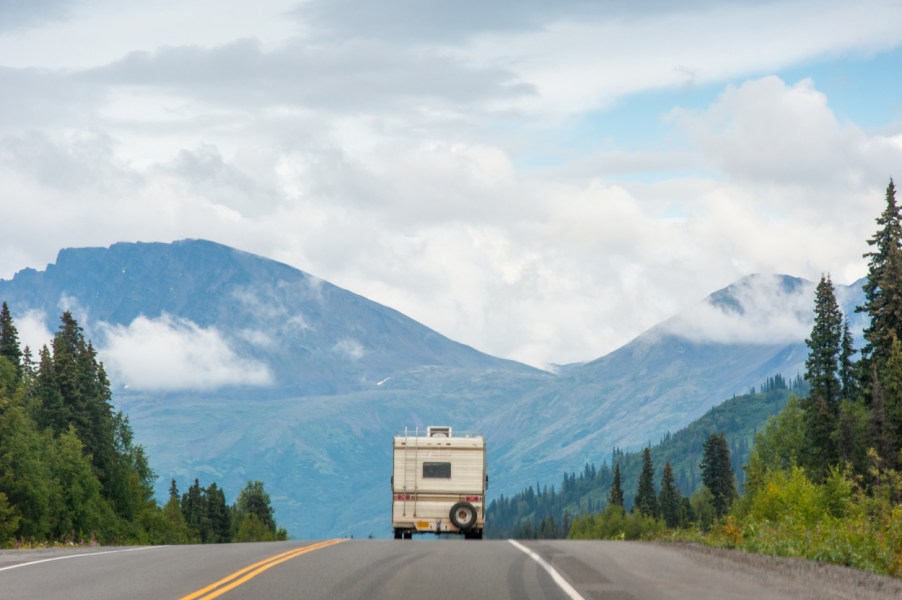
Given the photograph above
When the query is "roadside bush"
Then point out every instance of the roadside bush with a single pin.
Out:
(615, 524)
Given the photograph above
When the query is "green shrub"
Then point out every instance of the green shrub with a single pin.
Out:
(615, 524)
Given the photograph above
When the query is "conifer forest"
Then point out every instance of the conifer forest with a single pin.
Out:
(71, 472)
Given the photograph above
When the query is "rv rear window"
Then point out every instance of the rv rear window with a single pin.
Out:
(437, 469)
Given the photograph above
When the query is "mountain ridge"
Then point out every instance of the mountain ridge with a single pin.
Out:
(318, 378)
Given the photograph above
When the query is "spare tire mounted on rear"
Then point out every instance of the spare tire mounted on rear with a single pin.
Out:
(463, 515)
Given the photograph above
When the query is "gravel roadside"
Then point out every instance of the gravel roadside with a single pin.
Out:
(805, 578)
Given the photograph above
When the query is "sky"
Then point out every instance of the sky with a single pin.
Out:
(540, 180)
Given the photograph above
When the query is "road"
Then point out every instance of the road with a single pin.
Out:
(438, 570)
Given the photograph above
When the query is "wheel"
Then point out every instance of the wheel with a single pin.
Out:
(397, 534)
(473, 535)
(463, 515)
(408, 535)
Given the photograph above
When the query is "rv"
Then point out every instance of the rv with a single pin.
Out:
(438, 484)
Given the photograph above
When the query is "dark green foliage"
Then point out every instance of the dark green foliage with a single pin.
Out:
(615, 497)
(849, 376)
(614, 523)
(717, 473)
(9, 341)
(218, 516)
(851, 435)
(669, 499)
(252, 510)
(883, 271)
(69, 467)
(824, 347)
(646, 499)
(521, 515)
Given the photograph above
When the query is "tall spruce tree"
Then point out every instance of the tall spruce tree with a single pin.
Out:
(9, 340)
(646, 499)
(615, 497)
(884, 271)
(891, 381)
(825, 345)
(848, 369)
(822, 369)
(717, 473)
(669, 499)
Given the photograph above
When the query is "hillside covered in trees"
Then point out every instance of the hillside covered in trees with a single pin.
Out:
(544, 511)
(820, 480)
(70, 470)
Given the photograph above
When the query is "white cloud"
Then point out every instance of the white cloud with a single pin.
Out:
(175, 354)
(33, 332)
(388, 151)
(757, 310)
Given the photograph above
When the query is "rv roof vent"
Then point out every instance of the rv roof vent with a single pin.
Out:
(438, 432)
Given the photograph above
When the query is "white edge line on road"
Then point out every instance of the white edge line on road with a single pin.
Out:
(560, 581)
(35, 562)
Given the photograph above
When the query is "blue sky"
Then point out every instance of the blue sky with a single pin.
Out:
(542, 181)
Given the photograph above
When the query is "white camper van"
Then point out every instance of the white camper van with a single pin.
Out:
(439, 483)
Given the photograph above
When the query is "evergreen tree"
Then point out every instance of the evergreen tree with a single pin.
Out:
(615, 497)
(218, 515)
(891, 382)
(824, 346)
(717, 473)
(822, 373)
(646, 499)
(848, 369)
(879, 437)
(9, 340)
(253, 506)
(51, 411)
(851, 435)
(194, 509)
(669, 498)
(884, 271)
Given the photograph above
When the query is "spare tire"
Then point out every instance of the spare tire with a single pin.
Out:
(463, 515)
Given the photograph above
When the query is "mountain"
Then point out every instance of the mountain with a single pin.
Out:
(234, 367)
(664, 379)
(738, 419)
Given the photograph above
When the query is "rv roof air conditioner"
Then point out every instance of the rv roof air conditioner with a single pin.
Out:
(440, 432)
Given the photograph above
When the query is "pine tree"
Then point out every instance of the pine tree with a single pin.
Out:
(891, 382)
(884, 269)
(848, 370)
(879, 436)
(824, 346)
(822, 373)
(669, 498)
(9, 340)
(615, 497)
(717, 473)
(852, 434)
(253, 500)
(218, 515)
(646, 499)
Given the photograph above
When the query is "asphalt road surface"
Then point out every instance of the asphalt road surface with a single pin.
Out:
(438, 570)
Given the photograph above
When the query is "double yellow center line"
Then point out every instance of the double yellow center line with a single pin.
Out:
(217, 589)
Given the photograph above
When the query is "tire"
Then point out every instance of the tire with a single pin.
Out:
(473, 535)
(397, 534)
(463, 515)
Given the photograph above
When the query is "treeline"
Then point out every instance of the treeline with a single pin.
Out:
(70, 470)
(823, 479)
(201, 515)
(547, 512)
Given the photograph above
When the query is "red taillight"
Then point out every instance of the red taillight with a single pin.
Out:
(404, 497)
(472, 498)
